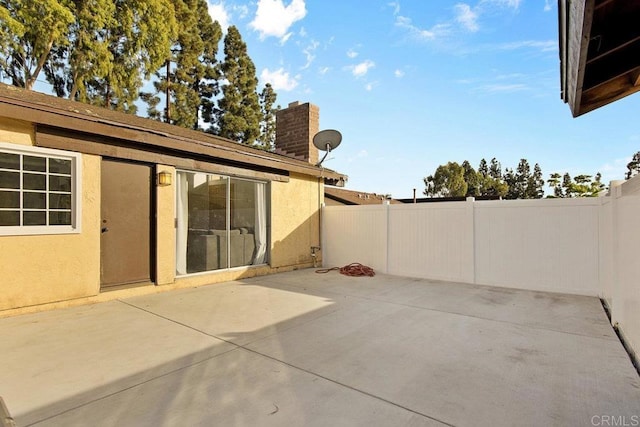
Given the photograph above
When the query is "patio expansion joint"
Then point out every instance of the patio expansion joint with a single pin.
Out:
(341, 384)
(245, 348)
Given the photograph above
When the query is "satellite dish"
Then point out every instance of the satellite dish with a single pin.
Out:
(326, 140)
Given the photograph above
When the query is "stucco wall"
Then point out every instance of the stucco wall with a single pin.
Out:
(166, 231)
(294, 221)
(294, 229)
(46, 268)
(16, 132)
(60, 269)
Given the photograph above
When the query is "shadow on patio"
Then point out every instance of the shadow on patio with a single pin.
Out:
(302, 348)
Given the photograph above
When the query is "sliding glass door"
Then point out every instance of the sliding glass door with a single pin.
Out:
(221, 222)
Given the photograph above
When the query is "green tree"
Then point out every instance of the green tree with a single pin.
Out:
(535, 184)
(447, 181)
(139, 42)
(584, 186)
(238, 109)
(87, 54)
(268, 123)
(29, 31)
(555, 183)
(633, 167)
(495, 169)
(511, 181)
(193, 80)
(491, 183)
(483, 168)
(522, 176)
(567, 183)
(472, 178)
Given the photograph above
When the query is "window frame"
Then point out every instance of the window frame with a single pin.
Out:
(76, 192)
(229, 178)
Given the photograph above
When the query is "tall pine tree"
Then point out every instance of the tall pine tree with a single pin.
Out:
(268, 123)
(238, 109)
(189, 78)
(535, 184)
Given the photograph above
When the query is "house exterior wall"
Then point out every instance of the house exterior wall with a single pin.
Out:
(45, 271)
(16, 132)
(165, 229)
(295, 211)
(46, 268)
(295, 221)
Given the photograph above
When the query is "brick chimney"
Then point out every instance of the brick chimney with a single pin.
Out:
(295, 127)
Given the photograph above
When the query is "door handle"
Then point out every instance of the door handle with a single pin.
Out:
(105, 229)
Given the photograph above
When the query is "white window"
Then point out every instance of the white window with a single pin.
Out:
(39, 191)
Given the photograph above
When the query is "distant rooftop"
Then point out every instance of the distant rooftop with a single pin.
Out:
(350, 197)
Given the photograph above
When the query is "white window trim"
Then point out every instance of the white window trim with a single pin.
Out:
(76, 191)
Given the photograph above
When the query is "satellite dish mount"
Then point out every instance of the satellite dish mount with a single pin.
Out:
(326, 140)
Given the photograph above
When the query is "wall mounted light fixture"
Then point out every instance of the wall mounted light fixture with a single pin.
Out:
(165, 178)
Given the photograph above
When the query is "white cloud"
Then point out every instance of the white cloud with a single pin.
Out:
(396, 7)
(467, 17)
(542, 45)
(398, 73)
(419, 33)
(279, 79)
(243, 11)
(309, 53)
(368, 87)
(504, 88)
(352, 53)
(547, 6)
(512, 4)
(273, 18)
(361, 69)
(324, 70)
(219, 13)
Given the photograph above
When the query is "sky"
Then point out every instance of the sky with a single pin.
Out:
(413, 84)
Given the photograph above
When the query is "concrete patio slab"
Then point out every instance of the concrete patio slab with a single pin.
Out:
(302, 348)
(57, 360)
(239, 388)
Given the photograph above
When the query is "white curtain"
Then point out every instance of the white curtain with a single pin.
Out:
(182, 216)
(261, 223)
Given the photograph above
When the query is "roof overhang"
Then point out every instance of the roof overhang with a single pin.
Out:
(599, 52)
(85, 128)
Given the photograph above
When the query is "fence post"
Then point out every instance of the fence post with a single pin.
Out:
(387, 205)
(471, 217)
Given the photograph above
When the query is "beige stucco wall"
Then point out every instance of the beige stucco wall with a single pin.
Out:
(294, 221)
(166, 231)
(46, 268)
(294, 229)
(16, 132)
(46, 271)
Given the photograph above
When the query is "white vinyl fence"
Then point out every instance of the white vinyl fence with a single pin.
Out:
(587, 246)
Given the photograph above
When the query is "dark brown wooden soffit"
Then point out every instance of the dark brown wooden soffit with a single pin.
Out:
(599, 51)
(65, 124)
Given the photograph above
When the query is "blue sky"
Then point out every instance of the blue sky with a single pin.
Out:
(412, 84)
